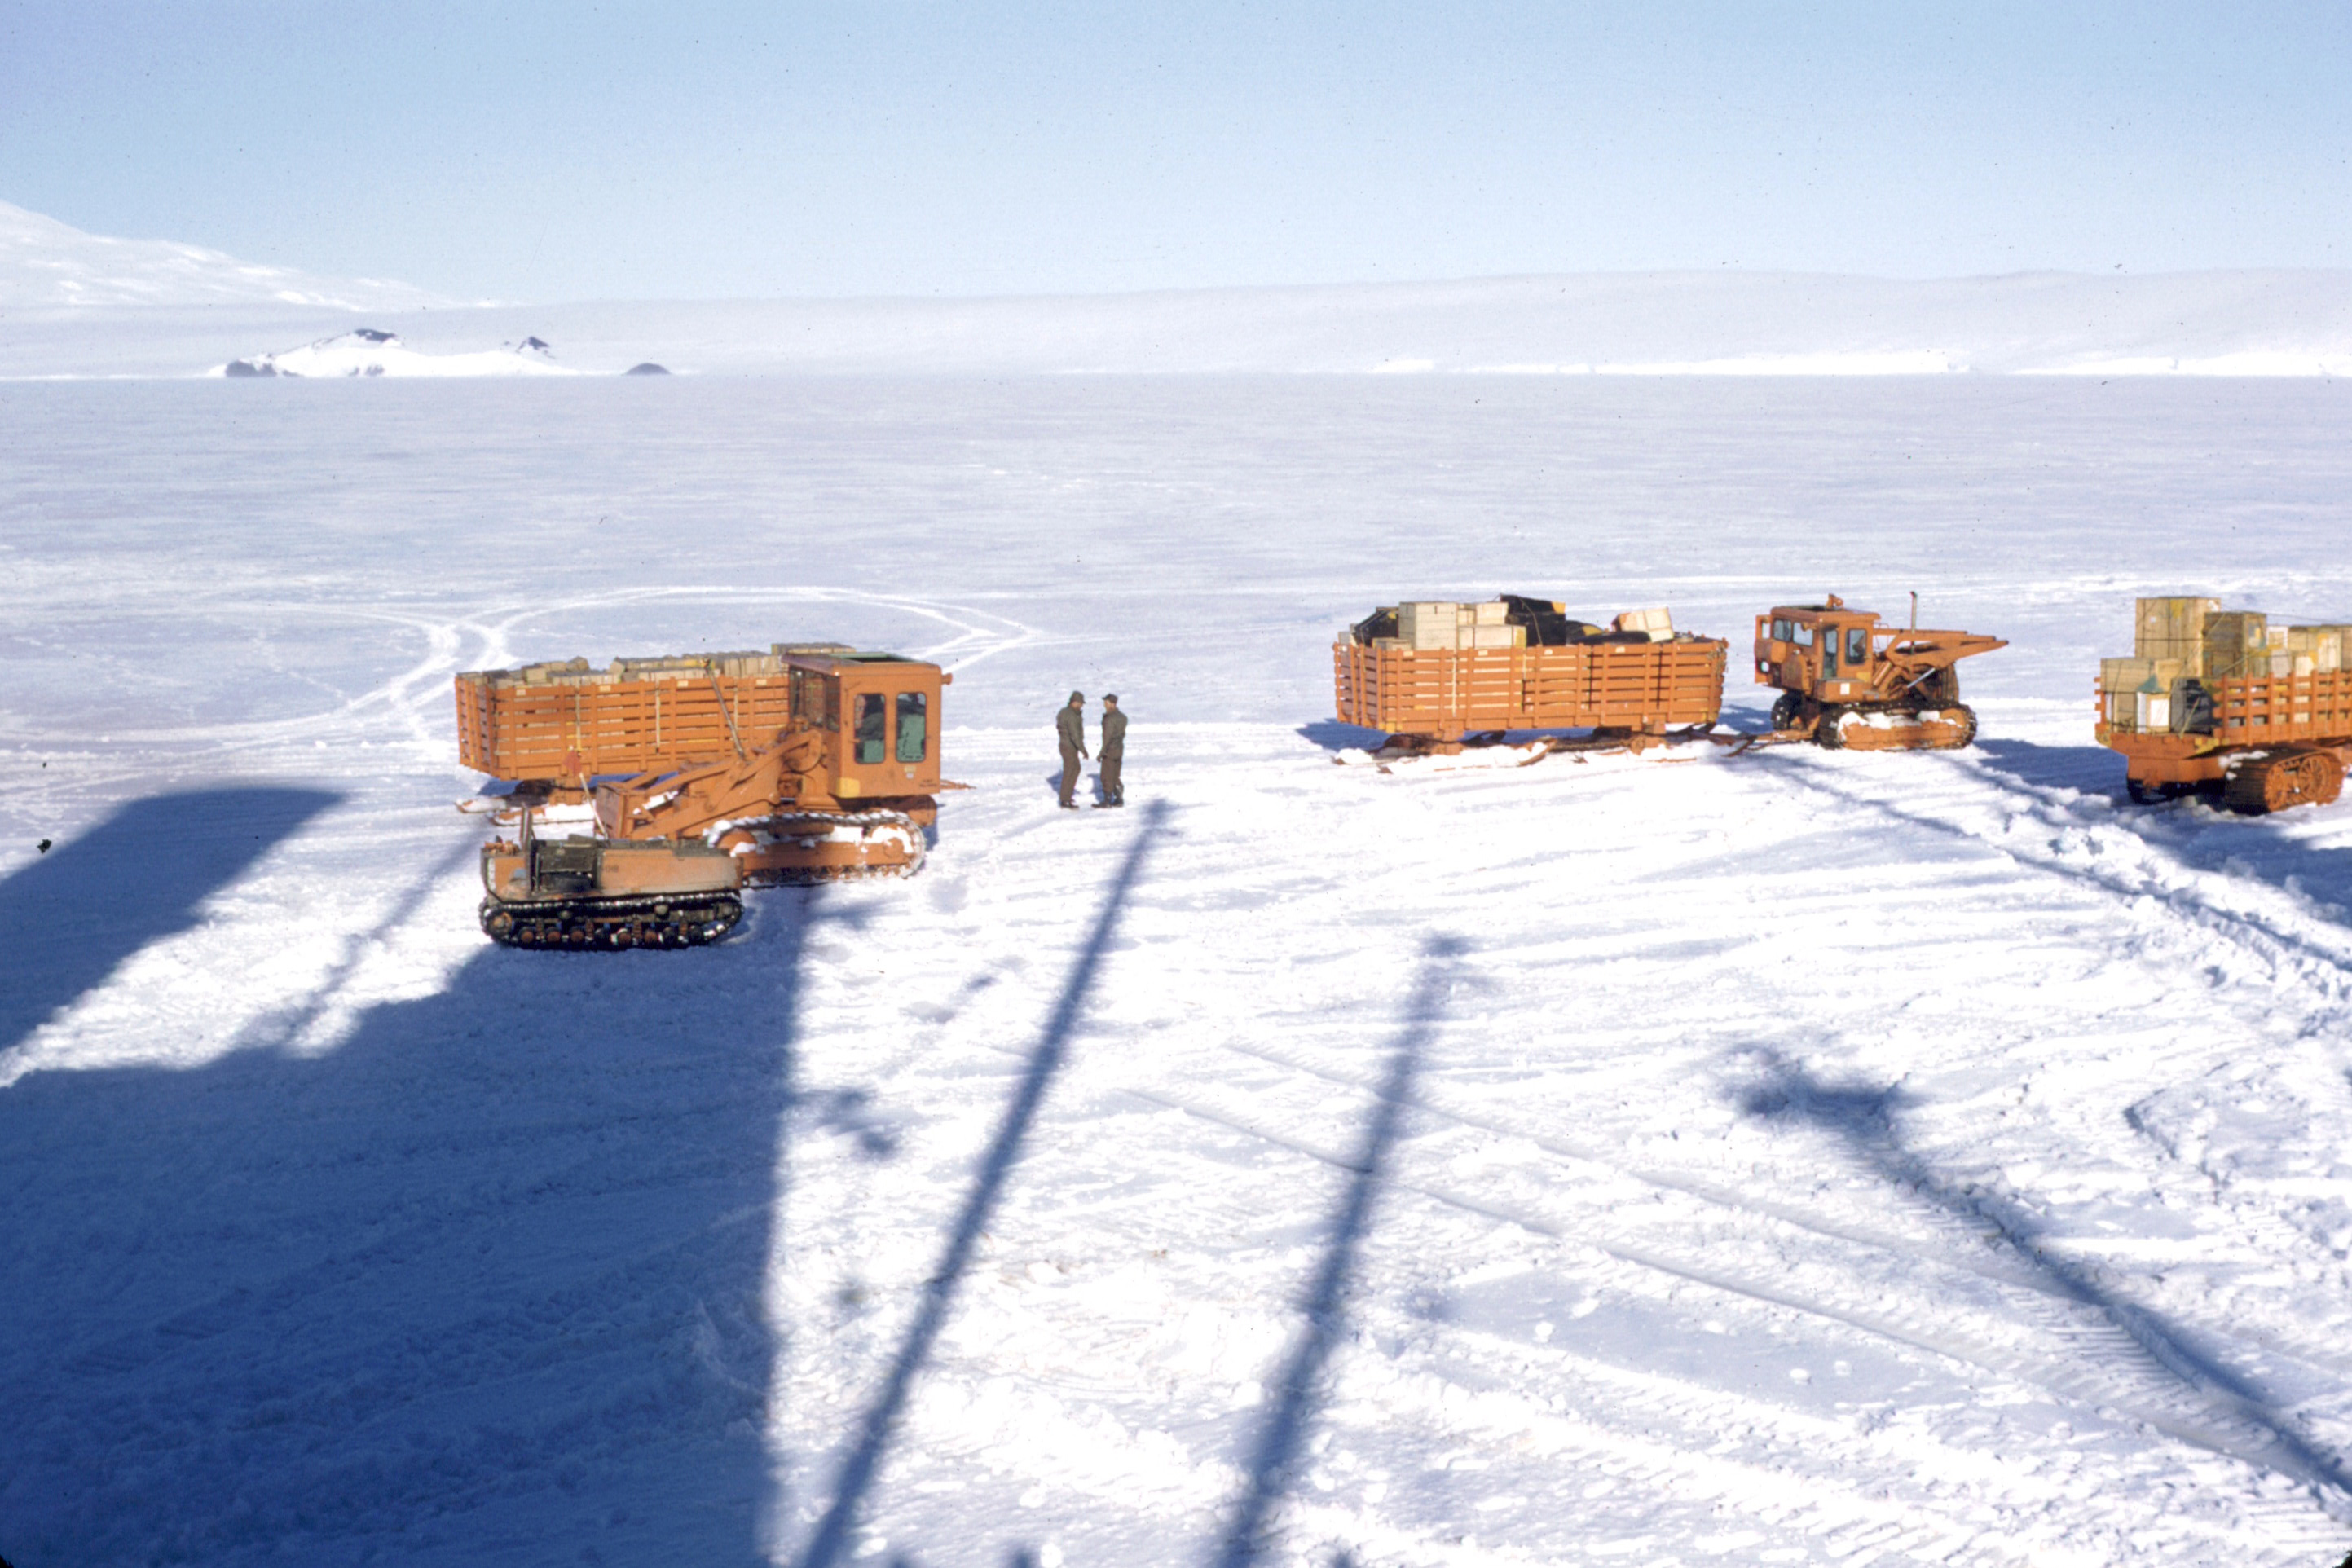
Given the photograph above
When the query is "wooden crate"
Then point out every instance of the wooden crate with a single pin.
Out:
(2173, 628)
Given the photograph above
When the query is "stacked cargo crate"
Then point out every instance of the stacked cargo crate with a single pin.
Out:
(567, 721)
(1429, 623)
(2182, 640)
(2242, 645)
(1424, 624)
(2167, 648)
(2260, 714)
(1453, 669)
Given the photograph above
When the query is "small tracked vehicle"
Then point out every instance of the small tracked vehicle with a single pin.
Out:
(578, 892)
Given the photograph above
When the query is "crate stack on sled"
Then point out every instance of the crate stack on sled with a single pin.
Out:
(563, 722)
(1431, 672)
(2219, 701)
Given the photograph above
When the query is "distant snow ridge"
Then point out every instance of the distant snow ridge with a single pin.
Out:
(371, 351)
(1860, 361)
(47, 264)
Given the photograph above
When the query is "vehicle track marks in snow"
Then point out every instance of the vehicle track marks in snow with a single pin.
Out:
(2267, 924)
(830, 1540)
(2134, 1397)
(1965, 1251)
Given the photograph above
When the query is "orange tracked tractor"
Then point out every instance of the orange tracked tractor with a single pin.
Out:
(809, 763)
(1848, 680)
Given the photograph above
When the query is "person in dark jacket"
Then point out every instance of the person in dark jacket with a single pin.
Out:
(1070, 728)
(1114, 751)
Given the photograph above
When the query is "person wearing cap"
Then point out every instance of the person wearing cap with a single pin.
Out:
(1070, 727)
(1114, 750)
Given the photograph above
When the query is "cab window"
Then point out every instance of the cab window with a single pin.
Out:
(914, 726)
(1829, 654)
(1804, 635)
(873, 719)
(809, 700)
(1857, 646)
(1779, 631)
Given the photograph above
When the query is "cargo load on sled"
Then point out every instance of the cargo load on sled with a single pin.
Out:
(1438, 674)
(2224, 703)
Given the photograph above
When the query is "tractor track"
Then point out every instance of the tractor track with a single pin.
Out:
(1666, 1434)
(2321, 960)
(482, 639)
(2294, 946)
(2099, 1367)
(2179, 1418)
(1995, 1269)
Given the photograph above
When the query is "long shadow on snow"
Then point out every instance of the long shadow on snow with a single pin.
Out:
(2268, 849)
(1865, 1121)
(69, 918)
(1334, 736)
(481, 1282)
(2092, 769)
(831, 1540)
(1249, 1533)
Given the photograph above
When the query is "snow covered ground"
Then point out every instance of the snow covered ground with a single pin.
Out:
(1804, 1157)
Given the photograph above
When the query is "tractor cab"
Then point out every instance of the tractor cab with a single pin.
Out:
(1848, 678)
(1825, 651)
(878, 715)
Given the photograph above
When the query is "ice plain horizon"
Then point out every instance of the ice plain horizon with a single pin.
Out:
(80, 306)
(1803, 1157)
(2249, 324)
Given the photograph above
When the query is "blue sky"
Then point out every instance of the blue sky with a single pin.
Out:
(546, 151)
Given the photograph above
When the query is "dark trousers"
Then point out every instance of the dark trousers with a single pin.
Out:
(1069, 775)
(1110, 790)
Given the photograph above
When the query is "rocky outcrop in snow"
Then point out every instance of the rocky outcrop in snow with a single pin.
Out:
(370, 351)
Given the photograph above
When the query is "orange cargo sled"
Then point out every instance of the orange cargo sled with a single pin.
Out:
(1629, 688)
(562, 724)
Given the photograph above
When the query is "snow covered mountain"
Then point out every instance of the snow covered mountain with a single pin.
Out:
(2212, 324)
(47, 264)
(1671, 324)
